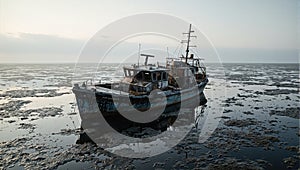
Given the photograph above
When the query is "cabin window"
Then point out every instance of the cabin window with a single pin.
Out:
(154, 77)
(164, 76)
(147, 76)
(131, 73)
(127, 74)
(139, 76)
(158, 75)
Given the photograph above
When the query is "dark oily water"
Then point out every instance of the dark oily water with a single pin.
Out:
(258, 129)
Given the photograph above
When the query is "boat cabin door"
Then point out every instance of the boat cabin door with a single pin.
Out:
(161, 78)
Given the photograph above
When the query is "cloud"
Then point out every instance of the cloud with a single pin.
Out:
(27, 47)
(41, 48)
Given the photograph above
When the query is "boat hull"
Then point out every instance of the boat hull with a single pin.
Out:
(96, 107)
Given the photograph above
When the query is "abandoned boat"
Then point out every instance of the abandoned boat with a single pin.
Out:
(147, 94)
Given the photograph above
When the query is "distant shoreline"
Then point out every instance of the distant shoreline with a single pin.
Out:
(134, 63)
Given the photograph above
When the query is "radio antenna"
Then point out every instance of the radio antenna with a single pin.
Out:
(139, 54)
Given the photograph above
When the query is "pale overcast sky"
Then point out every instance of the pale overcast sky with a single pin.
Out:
(241, 30)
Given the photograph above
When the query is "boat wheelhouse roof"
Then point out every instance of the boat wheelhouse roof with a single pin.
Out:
(147, 68)
(181, 58)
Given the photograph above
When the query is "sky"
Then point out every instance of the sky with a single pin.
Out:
(240, 30)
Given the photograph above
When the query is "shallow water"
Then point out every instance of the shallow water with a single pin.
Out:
(252, 120)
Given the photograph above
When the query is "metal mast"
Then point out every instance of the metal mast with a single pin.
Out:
(188, 42)
(139, 55)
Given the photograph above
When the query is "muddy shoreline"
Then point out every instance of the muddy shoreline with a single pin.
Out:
(257, 129)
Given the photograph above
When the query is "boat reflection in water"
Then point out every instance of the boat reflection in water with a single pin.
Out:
(95, 127)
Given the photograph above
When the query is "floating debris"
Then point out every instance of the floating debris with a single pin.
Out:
(248, 113)
(29, 126)
(241, 123)
(277, 92)
(293, 148)
(291, 162)
(32, 93)
(293, 112)
(232, 163)
(13, 105)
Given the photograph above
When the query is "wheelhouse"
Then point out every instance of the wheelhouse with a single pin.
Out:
(146, 79)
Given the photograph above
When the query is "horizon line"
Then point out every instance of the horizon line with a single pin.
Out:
(134, 63)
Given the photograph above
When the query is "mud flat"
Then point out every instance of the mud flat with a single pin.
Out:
(257, 129)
